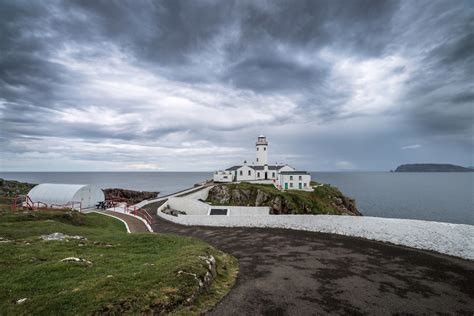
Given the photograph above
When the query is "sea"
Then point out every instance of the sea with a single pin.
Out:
(442, 197)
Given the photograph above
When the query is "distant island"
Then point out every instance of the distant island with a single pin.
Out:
(432, 167)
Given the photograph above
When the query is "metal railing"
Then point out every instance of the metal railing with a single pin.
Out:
(140, 212)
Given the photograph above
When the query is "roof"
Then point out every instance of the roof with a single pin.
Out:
(294, 172)
(271, 167)
(233, 168)
(55, 193)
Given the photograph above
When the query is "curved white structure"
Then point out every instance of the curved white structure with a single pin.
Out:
(62, 194)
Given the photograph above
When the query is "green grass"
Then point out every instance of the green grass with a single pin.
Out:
(319, 201)
(134, 273)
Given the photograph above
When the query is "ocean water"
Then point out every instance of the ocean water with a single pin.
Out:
(435, 196)
(163, 182)
(443, 197)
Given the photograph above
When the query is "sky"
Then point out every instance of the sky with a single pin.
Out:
(189, 85)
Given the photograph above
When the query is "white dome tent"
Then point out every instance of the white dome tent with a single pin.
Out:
(56, 195)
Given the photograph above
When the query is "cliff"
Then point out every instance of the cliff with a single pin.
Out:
(432, 167)
(323, 200)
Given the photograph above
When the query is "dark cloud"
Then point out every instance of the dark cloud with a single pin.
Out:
(211, 68)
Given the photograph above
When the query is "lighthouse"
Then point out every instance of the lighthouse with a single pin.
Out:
(262, 151)
(282, 176)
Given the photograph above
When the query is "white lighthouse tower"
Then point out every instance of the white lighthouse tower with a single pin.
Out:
(262, 151)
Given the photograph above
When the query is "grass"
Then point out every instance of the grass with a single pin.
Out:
(128, 273)
(319, 201)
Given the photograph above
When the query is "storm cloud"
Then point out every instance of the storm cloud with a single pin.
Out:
(188, 85)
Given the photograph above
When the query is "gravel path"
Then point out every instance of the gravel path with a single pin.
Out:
(135, 225)
(290, 272)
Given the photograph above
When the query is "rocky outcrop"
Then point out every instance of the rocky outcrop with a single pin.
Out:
(324, 200)
(129, 196)
(13, 188)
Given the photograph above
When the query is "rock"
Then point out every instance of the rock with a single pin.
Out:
(261, 198)
(328, 200)
(21, 301)
(172, 212)
(75, 260)
(61, 236)
(211, 264)
(4, 240)
(129, 196)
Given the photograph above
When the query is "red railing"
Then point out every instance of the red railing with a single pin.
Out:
(39, 204)
(139, 212)
(21, 201)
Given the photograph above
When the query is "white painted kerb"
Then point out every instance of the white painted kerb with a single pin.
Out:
(124, 222)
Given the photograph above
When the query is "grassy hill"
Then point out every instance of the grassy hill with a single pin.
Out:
(324, 199)
(121, 273)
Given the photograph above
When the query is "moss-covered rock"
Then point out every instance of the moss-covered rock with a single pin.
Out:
(12, 188)
(325, 199)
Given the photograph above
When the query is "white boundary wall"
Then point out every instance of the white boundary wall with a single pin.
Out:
(191, 207)
(201, 194)
(187, 205)
(246, 210)
(145, 202)
(446, 238)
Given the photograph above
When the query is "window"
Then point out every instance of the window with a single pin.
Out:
(225, 177)
(300, 177)
(305, 184)
(241, 172)
(258, 174)
(291, 184)
(291, 177)
(264, 148)
(273, 174)
(257, 159)
(250, 173)
(257, 148)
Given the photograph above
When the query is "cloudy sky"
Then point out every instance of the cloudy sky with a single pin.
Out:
(189, 85)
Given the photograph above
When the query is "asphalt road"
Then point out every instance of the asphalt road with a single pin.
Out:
(289, 272)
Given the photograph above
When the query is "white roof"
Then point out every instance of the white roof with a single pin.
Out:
(55, 193)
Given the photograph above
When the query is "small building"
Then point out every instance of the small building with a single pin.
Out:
(294, 180)
(260, 171)
(75, 196)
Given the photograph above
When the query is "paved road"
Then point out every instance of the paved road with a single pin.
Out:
(135, 225)
(288, 272)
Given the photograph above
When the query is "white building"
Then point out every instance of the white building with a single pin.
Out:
(76, 196)
(283, 177)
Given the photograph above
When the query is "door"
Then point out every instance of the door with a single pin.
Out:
(266, 175)
(286, 185)
(299, 186)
